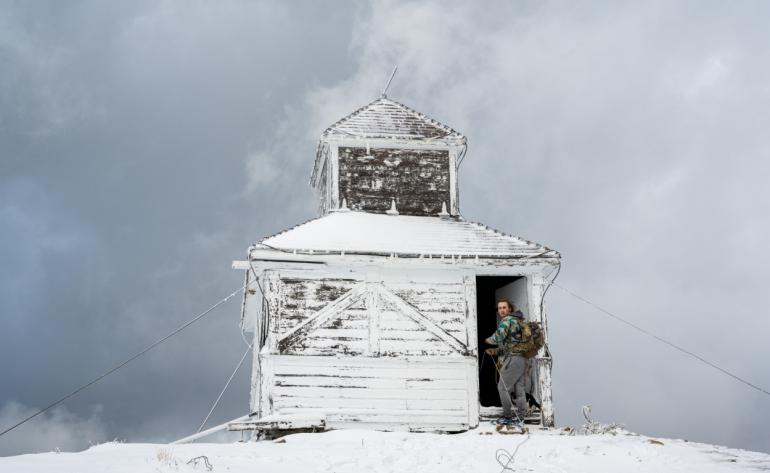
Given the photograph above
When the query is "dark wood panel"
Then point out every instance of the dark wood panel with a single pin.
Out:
(418, 180)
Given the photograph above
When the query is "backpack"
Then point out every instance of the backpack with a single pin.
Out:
(532, 338)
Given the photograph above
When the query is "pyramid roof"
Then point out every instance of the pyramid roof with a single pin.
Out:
(386, 118)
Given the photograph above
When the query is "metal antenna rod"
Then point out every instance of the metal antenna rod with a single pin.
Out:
(385, 90)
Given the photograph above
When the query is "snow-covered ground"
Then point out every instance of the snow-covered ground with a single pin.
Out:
(480, 450)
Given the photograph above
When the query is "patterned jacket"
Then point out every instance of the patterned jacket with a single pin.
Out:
(507, 335)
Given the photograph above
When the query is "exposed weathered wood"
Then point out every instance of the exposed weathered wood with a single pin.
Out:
(337, 367)
(373, 310)
(411, 419)
(305, 296)
(322, 316)
(427, 409)
(469, 286)
(272, 288)
(266, 380)
(401, 383)
(298, 404)
(543, 360)
(346, 392)
(472, 388)
(546, 401)
(418, 180)
(454, 202)
(404, 425)
(334, 179)
(304, 420)
(324, 192)
(415, 315)
(390, 383)
(247, 281)
(255, 393)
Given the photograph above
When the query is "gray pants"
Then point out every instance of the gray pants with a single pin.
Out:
(512, 379)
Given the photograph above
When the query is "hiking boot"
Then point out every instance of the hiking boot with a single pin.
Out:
(505, 421)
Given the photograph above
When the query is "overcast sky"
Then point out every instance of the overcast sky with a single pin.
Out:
(145, 145)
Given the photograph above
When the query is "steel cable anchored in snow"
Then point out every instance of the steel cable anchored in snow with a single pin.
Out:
(663, 340)
(129, 360)
(229, 380)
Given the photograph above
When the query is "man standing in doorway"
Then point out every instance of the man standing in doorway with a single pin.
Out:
(514, 365)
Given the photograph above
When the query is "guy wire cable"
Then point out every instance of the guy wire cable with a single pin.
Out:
(663, 340)
(127, 361)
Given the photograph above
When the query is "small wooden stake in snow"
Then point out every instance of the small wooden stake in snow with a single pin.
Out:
(393, 210)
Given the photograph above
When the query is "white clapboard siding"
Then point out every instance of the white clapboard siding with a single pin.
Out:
(331, 411)
(415, 424)
(294, 404)
(370, 383)
(334, 367)
(347, 392)
(393, 393)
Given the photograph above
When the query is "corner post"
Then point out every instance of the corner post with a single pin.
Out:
(543, 359)
(334, 172)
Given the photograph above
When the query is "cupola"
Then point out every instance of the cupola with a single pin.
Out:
(387, 158)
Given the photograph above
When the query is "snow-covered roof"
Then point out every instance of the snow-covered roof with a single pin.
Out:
(386, 118)
(369, 233)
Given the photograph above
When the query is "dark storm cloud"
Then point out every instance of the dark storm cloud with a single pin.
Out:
(126, 132)
(145, 145)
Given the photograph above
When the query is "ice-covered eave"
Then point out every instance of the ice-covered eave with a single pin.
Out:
(264, 254)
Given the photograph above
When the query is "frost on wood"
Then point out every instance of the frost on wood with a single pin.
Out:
(371, 319)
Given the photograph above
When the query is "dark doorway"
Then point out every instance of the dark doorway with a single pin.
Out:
(486, 311)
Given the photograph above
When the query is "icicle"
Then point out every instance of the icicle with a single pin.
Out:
(392, 210)
(443, 213)
(344, 206)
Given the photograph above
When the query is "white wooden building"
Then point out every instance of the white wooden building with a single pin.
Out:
(372, 314)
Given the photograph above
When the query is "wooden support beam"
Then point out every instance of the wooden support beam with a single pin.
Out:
(334, 308)
(423, 321)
